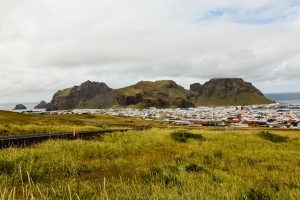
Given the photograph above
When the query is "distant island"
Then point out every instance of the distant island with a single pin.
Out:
(20, 107)
(41, 105)
(159, 94)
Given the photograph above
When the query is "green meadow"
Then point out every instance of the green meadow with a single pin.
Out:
(160, 163)
(17, 123)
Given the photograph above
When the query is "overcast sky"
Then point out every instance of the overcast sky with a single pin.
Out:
(46, 45)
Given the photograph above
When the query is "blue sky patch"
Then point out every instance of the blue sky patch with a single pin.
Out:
(259, 15)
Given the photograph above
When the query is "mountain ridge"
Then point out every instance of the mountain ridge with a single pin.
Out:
(160, 94)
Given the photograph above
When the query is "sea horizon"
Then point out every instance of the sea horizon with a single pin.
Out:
(11, 106)
(285, 97)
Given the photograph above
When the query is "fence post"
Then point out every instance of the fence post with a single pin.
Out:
(74, 132)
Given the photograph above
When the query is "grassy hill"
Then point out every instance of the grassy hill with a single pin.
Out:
(226, 92)
(160, 94)
(165, 162)
(12, 123)
(152, 165)
(164, 93)
(230, 100)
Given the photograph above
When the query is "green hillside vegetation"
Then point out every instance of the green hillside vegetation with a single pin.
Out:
(159, 94)
(150, 87)
(65, 92)
(240, 99)
(147, 92)
(153, 165)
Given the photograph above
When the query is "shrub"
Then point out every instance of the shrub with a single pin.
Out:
(207, 159)
(170, 180)
(246, 161)
(194, 168)
(218, 154)
(183, 136)
(36, 175)
(157, 175)
(272, 137)
(254, 194)
(155, 171)
(7, 166)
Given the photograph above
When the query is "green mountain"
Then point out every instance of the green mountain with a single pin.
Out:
(160, 94)
(87, 95)
(226, 92)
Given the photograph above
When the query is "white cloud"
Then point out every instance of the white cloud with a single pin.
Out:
(48, 45)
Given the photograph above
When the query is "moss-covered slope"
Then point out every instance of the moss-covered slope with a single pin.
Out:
(160, 94)
(227, 91)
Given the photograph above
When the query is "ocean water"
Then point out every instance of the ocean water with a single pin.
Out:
(290, 98)
(11, 106)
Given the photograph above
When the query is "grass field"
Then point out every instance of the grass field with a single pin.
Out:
(17, 123)
(160, 163)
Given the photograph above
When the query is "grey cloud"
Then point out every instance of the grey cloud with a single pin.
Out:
(48, 45)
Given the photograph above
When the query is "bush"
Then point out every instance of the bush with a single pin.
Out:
(207, 159)
(218, 154)
(183, 136)
(254, 194)
(194, 168)
(272, 137)
(7, 166)
(157, 175)
(155, 171)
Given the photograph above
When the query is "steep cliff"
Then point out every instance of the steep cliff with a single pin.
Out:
(87, 95)
(226, 91)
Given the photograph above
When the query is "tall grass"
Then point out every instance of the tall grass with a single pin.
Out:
(17, 123)
(272, 137)
(151, 165)
(15, 129)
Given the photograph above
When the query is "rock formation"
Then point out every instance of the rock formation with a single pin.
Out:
(41, 105)
(227, 91)
(20, 107)
(160, 94)
(87, 95)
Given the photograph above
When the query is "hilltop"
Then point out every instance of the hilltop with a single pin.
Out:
(226, 92)
(160, 94)
(87, 95)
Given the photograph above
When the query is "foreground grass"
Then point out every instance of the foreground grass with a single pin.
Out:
(152, 165)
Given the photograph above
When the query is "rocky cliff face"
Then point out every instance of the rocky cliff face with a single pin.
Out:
(227, 91)
(87, 95)
(160, 94)
(41, 105)
(195, 86)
